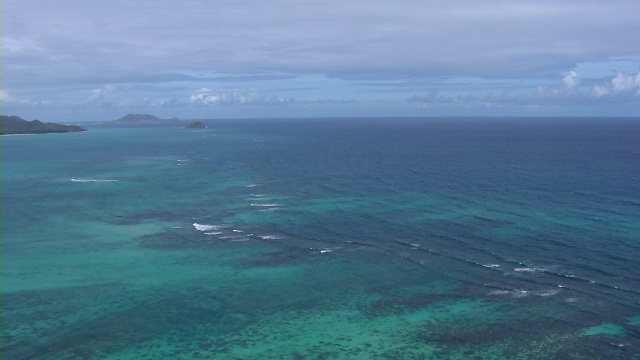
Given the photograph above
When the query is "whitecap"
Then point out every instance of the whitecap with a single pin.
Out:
(324, 251)
(213, 233)
(513, 293)
(519, 293)
(270, 237)
(92, 180)
(252, 185)
(527, 269)
(267, 205)
(207, 227)
(499, 292)
(545, 292)
(492, 266)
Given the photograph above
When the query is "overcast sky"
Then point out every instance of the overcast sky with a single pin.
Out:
(77, 60)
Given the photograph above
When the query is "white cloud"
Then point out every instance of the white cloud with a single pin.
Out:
(235, 97)
(571, 81)
(621, 85)
(103, 93)
(20, 47)
(11, 101)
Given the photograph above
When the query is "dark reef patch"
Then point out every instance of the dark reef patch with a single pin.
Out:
(177, 239)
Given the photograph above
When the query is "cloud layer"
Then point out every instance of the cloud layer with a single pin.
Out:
(70, 51)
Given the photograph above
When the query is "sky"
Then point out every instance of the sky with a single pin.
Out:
(91, 60)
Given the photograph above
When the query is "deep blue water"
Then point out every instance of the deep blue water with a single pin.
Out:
(324, 238)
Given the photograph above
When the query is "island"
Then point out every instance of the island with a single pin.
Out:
(142, 119)
(13, 125)
(196, 125)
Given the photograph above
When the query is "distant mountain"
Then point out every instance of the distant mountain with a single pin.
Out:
(16, 125)
(142, 119)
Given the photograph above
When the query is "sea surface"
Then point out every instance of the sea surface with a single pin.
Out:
(395, 238)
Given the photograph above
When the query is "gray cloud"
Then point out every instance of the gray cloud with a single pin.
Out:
(62, 51)
(343, 39)
(431, 98)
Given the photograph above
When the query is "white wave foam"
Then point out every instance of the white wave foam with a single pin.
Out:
(252, 185)
(528, 269)
(492, 266)
(207, 227)
(324, 251)
(92, 180)
(213, 233)
(513, 293)
(523, 293)
(270, 237)
(267, 205)
(519, 293)
(499, 292)
(545, 292)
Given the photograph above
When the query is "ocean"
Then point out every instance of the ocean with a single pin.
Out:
(385, 238)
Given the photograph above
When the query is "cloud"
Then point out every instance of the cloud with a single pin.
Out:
(571, 81)
(622, 85)
(13, 101)
(103, 93)
(12, 46)
(443, 52)
(236, 97)
(327, 101)
(347, 40)
(430, 98)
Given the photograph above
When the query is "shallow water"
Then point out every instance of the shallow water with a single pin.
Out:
(328, 238)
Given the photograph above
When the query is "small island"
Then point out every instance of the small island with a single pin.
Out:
(196, 125)
(14, 125)
(142, 119)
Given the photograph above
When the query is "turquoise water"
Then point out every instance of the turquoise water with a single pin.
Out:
(324, 239)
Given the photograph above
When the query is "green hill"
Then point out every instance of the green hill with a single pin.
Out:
(16, 125)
